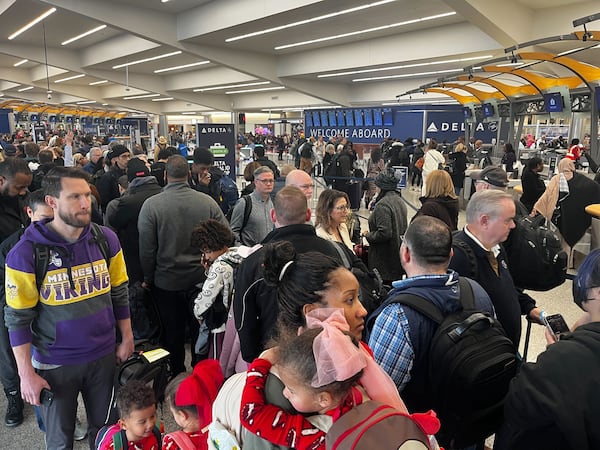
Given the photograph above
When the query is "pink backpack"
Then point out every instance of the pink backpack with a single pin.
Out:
(373, 425)
(182, 440)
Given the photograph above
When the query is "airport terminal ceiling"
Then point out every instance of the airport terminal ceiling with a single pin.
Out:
(177, 56)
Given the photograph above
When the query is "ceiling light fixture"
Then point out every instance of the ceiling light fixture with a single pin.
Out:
(28, 88)
(81, 75)
(95, 83)
(407, 75)
(367, 30)
(153, 58)
(232, 86)
(184, 66)
(406, 66)
(82, 35)
(164, 99)
(304, 22)
(20, 63)
(86, 102)
(188, 113)
(135, 97)
(32, 23)
(246, 91)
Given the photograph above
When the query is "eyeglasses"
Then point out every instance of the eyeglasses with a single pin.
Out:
(341, 208)
(266, 181)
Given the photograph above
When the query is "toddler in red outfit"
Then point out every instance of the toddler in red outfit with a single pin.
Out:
(190, 398)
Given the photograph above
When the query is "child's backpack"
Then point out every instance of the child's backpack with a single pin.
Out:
(119, 438)
(471, 363)
(373, 426)
(536, 259)
(182, 440)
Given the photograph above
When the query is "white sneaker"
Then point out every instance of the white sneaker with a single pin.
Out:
(80, 430)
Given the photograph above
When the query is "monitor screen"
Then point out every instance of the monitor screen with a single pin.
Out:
(488, 110)
(388, 117)
(358, 118)
(467, 112)
(316, 118)
(349, 118)
(554, 102)
(324, 121)
(340, 118)
(69, 119)
(51, 118)
(377, 117)
(308, 120)
(368, 117)
(34, 118)
(598, 97)
(331, 116)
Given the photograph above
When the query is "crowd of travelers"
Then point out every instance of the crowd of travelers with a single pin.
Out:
(292, 328)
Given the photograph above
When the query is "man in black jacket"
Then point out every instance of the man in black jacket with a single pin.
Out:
(490, 215)
(15, 178)
(259, 157)
(254, 305)
(36, 210)
(123, 217)
(108, 184)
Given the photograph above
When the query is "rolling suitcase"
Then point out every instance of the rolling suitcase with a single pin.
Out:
(355, 194)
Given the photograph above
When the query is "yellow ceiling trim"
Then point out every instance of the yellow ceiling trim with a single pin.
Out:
(462, 99)
(586, 72)
(505, 89)
(481, 95)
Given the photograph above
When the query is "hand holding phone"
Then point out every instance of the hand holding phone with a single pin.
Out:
(556, 325)
(46, 397)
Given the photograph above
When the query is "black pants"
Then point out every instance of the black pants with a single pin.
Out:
(176, 313)
(9, 376)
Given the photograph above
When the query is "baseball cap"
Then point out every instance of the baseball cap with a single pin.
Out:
(493, 175)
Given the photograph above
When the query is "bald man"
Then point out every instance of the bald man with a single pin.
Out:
(302, 181)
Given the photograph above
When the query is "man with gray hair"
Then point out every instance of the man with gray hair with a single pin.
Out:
(251, 216)
(479, 254)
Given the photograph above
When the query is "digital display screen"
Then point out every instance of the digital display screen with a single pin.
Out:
(324, 121)
(349, 118)
(388, 117)
(368, 117)
(331, 117)
(554, 102)
(34, 118)
(467, 113)
(377, 117)
(598, 97)
(358, 118)
(308, 119)
(488, 110)
(340, 118)
(51, 118)
(316, 119)
(69, 119)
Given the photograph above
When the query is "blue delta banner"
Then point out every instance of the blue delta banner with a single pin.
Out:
(441, 123)
(220, 140)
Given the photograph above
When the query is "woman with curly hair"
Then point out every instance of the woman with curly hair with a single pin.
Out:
(211, 306)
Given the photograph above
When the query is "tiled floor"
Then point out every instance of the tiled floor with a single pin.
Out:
(558, 300)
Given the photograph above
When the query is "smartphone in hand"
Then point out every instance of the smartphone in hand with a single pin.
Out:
(46, 397)
(556, 325)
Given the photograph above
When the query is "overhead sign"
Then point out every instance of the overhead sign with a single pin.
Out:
(220, 140)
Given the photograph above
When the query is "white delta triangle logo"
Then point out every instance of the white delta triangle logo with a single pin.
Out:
(432, 128)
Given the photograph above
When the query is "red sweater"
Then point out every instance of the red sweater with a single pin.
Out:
(274, 424)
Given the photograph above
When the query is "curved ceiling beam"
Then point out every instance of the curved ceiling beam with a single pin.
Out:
(505, 89)
(462, 99)
(481, 95)
(538, 82)
(586, 72)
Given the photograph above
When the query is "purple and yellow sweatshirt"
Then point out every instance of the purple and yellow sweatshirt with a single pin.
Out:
(72, 318)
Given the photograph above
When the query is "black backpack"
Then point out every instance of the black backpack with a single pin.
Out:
(247, 210)
(536, 259)
(471, 362)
